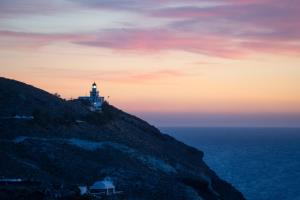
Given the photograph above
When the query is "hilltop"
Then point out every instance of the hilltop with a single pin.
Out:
(52, 140)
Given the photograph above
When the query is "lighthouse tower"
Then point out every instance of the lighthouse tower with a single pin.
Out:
(95, 99)
(94, 93)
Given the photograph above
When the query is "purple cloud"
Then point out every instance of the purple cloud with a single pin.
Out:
(12, 8)
(155, 40)
(232, 29)
(274, 16)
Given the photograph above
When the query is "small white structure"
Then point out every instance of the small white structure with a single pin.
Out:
(104, 187)
(95, 99)
(83, 190)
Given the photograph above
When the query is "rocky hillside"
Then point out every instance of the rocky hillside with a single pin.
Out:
(53, 141)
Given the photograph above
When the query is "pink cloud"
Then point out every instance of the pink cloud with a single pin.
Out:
(156, 40)
(230, 29)
(116, 76)
(152, 41)
(139, 41)
(12, 39)
(275, 48)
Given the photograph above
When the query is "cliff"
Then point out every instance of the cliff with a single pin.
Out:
(62, 142)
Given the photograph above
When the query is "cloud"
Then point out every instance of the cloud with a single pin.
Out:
(231, 29)
(135, 40)
(25, 40)
(156, 40)
(12, 8)
(151, 41)
(115, 76)
(265, 26)
(114, 4)
(276, 17)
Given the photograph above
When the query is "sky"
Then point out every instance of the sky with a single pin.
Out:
(171, 62)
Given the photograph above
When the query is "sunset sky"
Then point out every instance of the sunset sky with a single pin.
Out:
(171, 62)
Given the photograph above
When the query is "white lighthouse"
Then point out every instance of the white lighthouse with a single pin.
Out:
(95, 100)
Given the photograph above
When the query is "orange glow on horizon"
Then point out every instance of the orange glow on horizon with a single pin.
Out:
(187, 58)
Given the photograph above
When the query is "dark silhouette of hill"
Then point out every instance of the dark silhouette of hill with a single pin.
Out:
(65, 143)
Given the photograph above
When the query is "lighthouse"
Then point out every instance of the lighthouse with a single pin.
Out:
(94, 99)
(94, 94)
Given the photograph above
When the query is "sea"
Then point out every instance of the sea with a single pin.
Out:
(262, 163)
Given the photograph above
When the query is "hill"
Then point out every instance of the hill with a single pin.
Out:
(57, 142)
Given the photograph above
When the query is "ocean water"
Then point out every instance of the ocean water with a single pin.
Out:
(263, 163)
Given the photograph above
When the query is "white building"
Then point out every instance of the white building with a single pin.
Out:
(104, 187)
(95, 100)
(83, 190)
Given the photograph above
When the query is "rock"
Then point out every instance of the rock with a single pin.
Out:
(53, 148)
